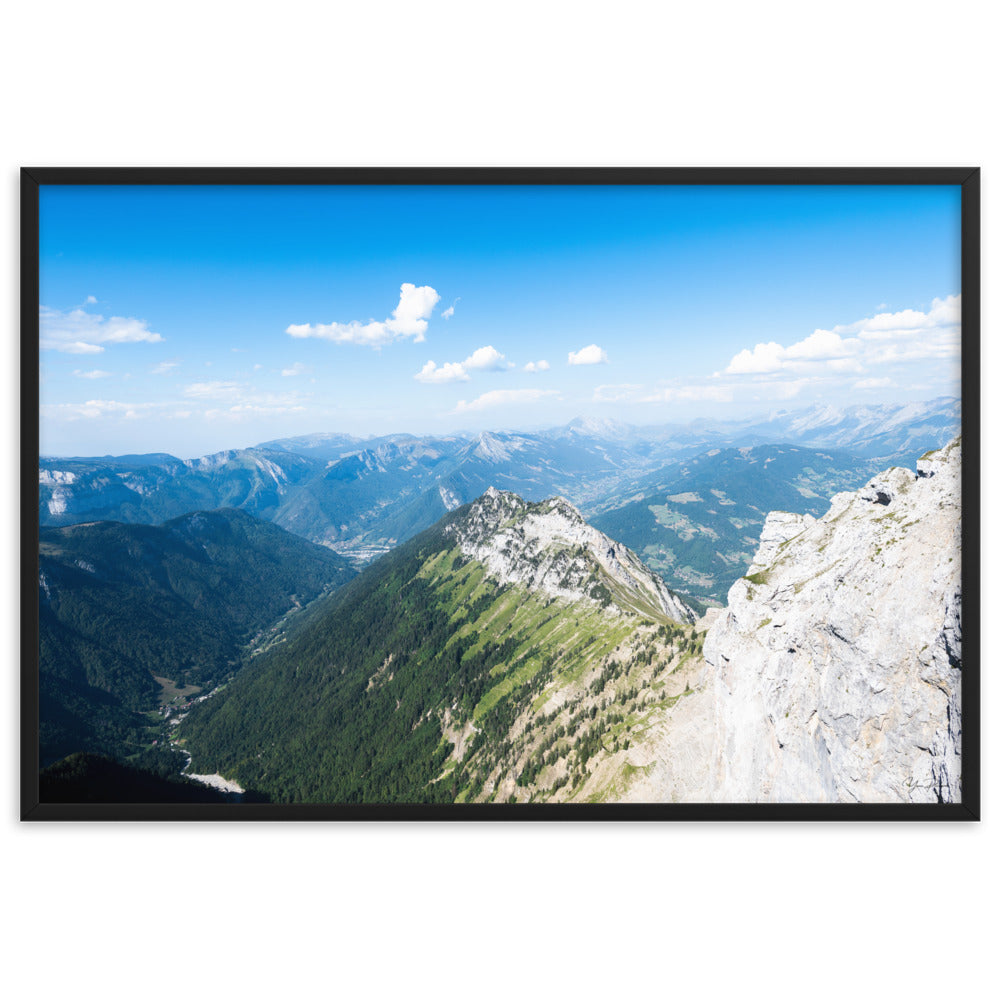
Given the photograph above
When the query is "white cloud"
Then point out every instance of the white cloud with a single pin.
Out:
(90, 300)
(164, 368)
(241, 410)
(616, 393)
(946, 312)
(239, 398)
(824, 347)
(71, 347)
(874, 383)
(504, 397)
(297, 369)
(409, 319)
(486, 358)
(450, 311)
(482, 359)
(452, 371)
(96, 373)
(81, 332)
(537, 366)
(590, 355)
(212, 390)
(821, 345)
(230, 401)
(783, 390)
(94, 408)
(691, 394)
(909, 335)
(763, 358)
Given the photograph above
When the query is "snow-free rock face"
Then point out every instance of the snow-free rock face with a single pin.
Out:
(837, 665)
(549, 547)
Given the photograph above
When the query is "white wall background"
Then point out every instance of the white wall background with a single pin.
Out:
(168, 910)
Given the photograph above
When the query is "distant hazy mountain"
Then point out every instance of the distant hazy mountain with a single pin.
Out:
(900, 430)
(872, 431)
(120, 605)
(138, 491)
(361, 498)
(489, 658)
(697, 523)
(321, 446)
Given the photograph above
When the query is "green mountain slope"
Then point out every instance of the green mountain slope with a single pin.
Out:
(698, 523)
(509, 652)
(129, 614)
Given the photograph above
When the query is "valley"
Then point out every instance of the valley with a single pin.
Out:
(697, 523)
(134, 617)
(489, 639)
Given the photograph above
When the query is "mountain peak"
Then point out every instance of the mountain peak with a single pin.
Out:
(602, 427)
(495, 448)
(548, 546)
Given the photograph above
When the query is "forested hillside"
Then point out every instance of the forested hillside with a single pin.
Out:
(429, 679)
(129, 613)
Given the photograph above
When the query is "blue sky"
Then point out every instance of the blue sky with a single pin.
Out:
(192, 319)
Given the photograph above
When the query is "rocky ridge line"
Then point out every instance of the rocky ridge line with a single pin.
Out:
(549, 547)
(835, 671)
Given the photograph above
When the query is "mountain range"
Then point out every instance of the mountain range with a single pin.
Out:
(361, 498)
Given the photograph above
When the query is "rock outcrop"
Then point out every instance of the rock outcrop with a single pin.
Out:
(549, 547)
(836, 670)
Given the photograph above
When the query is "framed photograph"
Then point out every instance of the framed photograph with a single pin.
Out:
(508, 494)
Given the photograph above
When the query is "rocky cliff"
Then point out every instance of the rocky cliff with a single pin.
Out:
(549, 547)
(835, 672)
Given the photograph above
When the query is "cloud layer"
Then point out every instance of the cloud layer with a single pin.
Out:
(81, 332)
(503, 397)
(909, 335)
(409, 319)
(691, 394)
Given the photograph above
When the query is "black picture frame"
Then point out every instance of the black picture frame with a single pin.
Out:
(35, 178)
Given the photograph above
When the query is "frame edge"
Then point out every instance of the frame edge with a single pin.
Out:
(30, 671)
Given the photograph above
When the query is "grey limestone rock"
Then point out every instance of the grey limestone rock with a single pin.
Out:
(835, 671)
(549, 547)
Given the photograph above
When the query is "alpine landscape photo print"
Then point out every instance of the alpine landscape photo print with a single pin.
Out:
(499, 499)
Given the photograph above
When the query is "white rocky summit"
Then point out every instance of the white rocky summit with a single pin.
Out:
(835, 672)
(548, 546)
